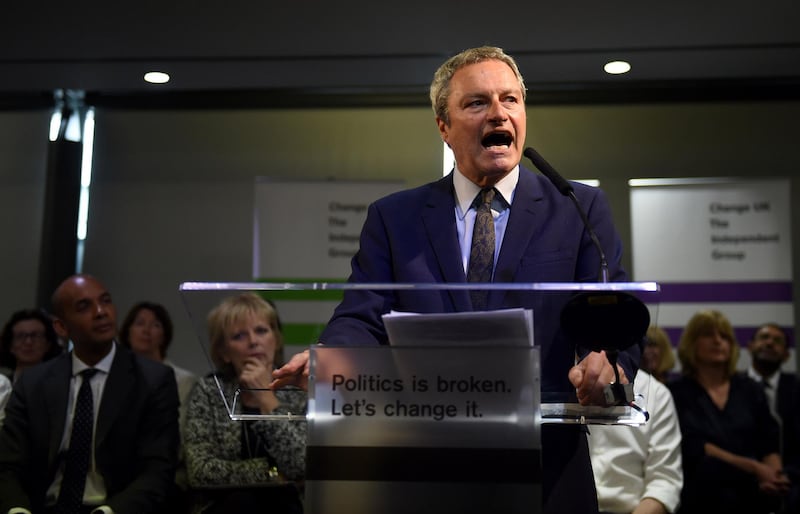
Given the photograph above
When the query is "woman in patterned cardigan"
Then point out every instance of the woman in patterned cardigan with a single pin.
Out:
(238, 466)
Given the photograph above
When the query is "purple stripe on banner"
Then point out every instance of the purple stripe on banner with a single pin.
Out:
(743, 334)
(695, 292)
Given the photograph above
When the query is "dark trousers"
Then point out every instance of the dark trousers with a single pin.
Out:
(567, 479)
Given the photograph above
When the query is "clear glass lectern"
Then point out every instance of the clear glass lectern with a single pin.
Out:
(438, 408)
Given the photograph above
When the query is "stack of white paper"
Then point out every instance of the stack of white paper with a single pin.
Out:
(507, 327)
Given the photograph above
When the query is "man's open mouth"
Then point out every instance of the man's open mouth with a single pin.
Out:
(494, 139)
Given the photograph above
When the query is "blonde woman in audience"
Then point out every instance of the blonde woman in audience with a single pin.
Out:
(658, 359)
(245, 466)
(731, 458)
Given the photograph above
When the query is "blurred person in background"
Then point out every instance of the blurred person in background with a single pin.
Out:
(731, 457)
(28, 339)
(147, 330)
(769, 350)
(658, 359)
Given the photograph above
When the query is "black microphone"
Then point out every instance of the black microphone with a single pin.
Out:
(603, 320)
(565, 188)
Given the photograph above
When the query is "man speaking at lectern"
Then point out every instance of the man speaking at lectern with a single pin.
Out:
(426, 234)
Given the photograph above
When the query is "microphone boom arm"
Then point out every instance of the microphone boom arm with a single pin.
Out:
(566, 189)
(615, 392)
(603, 262)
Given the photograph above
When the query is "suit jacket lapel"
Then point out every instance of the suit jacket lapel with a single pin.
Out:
(121, 380)
(784, 394)
(56, 390)
(524, 220)
(440, 226)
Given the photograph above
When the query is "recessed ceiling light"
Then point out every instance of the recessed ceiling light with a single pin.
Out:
(156, 77)
(617, 67)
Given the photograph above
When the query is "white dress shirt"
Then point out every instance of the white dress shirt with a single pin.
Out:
(771, 390)
(632, 463)
(465, 192)
(95, 492)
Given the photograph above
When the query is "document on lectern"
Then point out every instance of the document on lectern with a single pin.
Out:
(506, 327)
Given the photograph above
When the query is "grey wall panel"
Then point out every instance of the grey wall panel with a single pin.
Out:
(23, 163)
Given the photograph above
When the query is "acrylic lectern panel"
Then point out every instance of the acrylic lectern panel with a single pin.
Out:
(305, 309)
(446, 414)
(424, 430)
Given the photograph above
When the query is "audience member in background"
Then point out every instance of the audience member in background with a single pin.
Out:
(125, 406)
(731, 457)
(5, 392)
(637, 469)
(147, 330)
(28, 338)
(658, 359)
(231, 462)
(768, 350)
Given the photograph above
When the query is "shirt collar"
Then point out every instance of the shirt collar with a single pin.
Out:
(772, 380)
(103, 365)
(466, 190)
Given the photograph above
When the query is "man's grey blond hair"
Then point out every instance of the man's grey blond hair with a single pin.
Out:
(440, 87)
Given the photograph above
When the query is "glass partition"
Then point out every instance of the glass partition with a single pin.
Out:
(398, 429)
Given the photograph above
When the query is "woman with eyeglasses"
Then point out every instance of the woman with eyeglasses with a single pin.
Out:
(28, 339)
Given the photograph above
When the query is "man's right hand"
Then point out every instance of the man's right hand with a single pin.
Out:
(294, 372)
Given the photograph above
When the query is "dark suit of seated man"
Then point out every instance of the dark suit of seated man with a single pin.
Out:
(135, 428)
(769, 350)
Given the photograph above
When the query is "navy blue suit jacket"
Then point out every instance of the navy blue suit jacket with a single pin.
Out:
(411, 237)
(136, 437)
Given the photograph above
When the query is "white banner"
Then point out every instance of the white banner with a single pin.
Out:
(308, 232)
(310, 229)
(720, 244)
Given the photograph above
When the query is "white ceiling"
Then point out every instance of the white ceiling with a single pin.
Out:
(384, 48)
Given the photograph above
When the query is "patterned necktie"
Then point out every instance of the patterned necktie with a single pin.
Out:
(70, 498)
(481, 255)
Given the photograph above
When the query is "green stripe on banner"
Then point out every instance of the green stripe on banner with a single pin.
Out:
(302, 333)
(318, 295)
